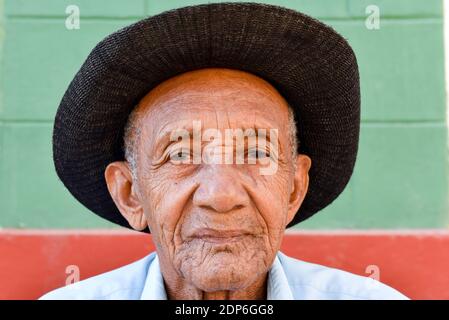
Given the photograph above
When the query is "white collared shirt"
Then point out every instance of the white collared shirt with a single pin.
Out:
(288, 279)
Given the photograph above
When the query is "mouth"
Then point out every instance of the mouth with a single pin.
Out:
(220, 236)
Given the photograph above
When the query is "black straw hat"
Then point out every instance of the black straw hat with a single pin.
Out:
(310, 64)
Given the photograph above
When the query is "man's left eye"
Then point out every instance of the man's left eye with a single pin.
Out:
(258, 154)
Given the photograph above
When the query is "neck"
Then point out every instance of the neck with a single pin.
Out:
(178, 288)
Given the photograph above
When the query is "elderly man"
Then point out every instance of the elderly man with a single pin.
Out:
(214, 127)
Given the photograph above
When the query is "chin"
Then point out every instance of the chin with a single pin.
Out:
(225, 271)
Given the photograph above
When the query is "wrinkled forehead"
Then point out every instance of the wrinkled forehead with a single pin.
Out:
(219, 98)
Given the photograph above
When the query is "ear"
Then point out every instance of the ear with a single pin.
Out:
(299, 186)
(120, 185)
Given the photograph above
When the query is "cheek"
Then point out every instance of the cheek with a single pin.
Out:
(270, 195)
(165, 200)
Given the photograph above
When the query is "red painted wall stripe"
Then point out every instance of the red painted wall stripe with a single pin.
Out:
(34, 262)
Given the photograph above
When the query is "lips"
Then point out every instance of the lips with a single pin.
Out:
(220, 236)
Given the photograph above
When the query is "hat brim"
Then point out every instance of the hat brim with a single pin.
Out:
(310, 64)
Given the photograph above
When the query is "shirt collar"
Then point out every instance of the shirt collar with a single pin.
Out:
(277, 286)
(154, 288)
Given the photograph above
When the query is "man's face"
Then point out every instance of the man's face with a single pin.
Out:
(217, 225)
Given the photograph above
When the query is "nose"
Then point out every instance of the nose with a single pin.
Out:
(220, 190)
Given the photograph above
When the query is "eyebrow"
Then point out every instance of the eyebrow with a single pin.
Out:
(163, 139)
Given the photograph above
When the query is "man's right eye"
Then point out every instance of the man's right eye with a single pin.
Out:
(180, 155)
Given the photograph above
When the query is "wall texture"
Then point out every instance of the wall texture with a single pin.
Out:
(401, 176)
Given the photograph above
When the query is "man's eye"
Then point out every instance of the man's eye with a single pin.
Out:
(262, 154)
(180, 155)
(252, 154)
(257, 154)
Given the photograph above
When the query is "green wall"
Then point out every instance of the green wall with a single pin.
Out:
(401, 176)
